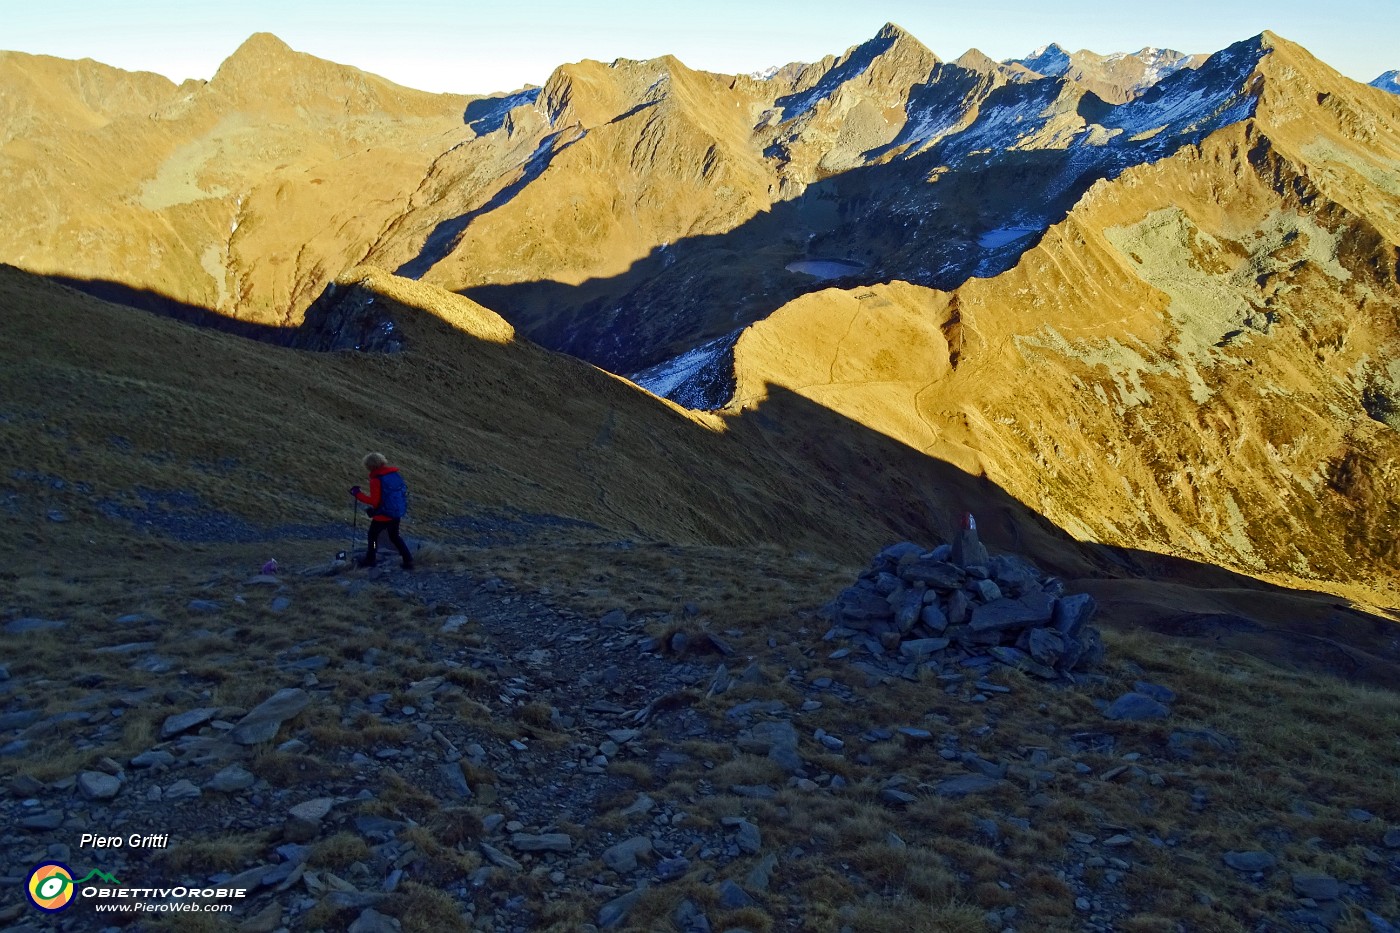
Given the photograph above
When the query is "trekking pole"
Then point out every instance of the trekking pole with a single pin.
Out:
(354, 525)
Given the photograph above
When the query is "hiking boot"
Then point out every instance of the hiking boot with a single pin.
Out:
(408, 565)
(365, 562)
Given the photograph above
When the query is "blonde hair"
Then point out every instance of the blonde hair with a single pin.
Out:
(375, 461)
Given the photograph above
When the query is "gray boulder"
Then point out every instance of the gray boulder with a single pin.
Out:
(965, 785)
(893, 555)
(767, 735)
(623, 857)
(543, 842)
(263, 721)
(96, 785)
(933, 618)
(920, 649)
(733, 897)
(615, 911)
(1032, 609)
(231, 780)
(182, 722)
(860, 605)
(959, 608)
(1046, 646)
(1133, 707)
(1253, 861)
(1319, 887)
(1014, 574)
(28, 625)
(934, 573)
(1072, 613)
(908, 605)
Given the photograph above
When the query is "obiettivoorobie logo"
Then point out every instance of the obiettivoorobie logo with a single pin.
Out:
(51, 886)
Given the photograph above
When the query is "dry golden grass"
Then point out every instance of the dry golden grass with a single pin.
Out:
(338, 852)
(1283, 757)
(437, 862)
(405, 798)
(289, 769)
(367, 733)
(639, 772)
(918, 917)
(456, 826)
(747, 769)
(229, 853)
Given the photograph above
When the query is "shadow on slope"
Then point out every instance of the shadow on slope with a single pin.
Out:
(118, 293)
(445, 235)
(902, 220)
(484, 422)
(325, 327)
(966, 205)
(1136, 588)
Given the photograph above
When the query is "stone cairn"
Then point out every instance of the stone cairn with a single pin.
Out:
(956, 603)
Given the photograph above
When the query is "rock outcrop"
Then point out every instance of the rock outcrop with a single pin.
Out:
(955, 602)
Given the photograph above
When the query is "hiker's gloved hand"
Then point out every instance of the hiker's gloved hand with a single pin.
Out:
(354, 490)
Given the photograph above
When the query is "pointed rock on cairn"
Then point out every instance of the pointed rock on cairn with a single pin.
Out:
(957, 601)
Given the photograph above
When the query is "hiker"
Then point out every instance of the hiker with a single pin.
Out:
(387, 501)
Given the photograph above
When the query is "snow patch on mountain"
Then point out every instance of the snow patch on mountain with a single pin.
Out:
(1049, 60)
(1192, 102)
(1012, 111)
(1390, 81)
(1160, 63)
(702, 378)
(489, 114)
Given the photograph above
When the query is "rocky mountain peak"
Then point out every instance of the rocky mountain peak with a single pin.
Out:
(261, 64)
(894, 31)
(1048, 60)
(977, 60)
(901, 42)
(1390, 81)
(258, 50)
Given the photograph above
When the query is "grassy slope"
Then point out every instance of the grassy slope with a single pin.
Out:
(475, 418)
(478, 418)
(192, 192)
(1117, 357)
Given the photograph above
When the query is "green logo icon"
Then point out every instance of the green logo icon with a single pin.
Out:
(51, 886)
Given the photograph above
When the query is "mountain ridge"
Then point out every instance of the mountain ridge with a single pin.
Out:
(648, 216)
(1144, 355)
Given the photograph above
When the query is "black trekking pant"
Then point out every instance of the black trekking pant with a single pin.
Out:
(391, 526)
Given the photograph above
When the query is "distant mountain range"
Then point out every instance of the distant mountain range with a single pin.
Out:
(1116, 78)
(1390, 81)
(1151, 296)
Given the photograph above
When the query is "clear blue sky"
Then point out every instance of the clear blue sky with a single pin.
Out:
(474, 47)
